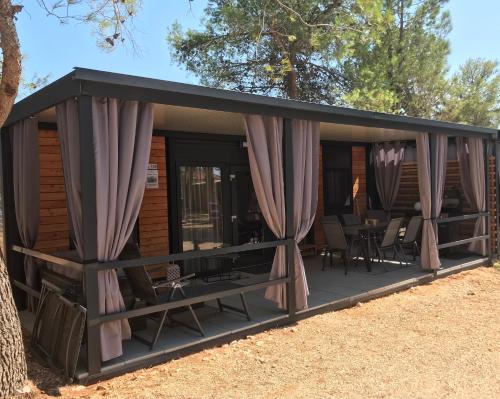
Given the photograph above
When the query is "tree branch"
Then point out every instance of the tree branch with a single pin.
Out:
(332, 5)
(11, 54)
(110, 17)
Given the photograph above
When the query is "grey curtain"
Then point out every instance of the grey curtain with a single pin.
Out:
(122, 144)
(265, 151)
(470, 153)
(265, 145)
(26, 174)
(388, 161)
(305, 197)
(429, 256)
(69, 139)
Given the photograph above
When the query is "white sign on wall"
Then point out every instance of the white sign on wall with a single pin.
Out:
(152, 176)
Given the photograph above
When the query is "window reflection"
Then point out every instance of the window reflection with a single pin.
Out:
(201, 204)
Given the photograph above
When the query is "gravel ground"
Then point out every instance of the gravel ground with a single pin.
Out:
(435, 341)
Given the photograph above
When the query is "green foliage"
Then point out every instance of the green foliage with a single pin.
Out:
(404, 71)
(381, 55)
(111, 19)
(269, 47)
(473, 96)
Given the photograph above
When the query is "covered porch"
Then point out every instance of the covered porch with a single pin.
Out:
(329, 290)
(199, 141)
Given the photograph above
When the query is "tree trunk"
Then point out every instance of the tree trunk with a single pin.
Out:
(292, 84)
(11, 54)
(13, 372)
(12, 360)
(291, 77)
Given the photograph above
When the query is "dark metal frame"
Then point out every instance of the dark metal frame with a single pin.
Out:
(496, 153)
(289, 231)
(84, 83)
(216, 158)
(89, 229)
(90, 82)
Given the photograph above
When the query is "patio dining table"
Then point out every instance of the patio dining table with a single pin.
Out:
(365, 232)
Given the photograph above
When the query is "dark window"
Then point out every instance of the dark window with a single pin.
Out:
(337, 179)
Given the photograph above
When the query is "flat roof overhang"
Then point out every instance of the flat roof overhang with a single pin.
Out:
(83, 81)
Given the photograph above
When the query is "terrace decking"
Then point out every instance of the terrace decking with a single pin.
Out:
(329, 290)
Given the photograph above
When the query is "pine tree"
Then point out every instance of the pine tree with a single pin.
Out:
(289, 49)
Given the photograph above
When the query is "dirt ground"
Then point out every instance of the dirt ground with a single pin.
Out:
(435, 341)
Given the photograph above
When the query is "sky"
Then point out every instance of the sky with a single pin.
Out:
(51, 49)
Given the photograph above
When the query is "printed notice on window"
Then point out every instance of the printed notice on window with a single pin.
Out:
(152, 176)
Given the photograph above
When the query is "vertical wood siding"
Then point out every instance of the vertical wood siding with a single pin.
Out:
(153, 216)
(53, 233)
(359, 181)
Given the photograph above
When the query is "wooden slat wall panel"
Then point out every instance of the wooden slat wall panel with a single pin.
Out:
(408, 193)
(53, 233)
(408, 189)
(359, 181)
(153, 216)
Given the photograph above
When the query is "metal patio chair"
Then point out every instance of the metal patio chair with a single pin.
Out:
(390, 241)
(336, 243)
(409, 240)
(160, 292)
(58, 329)
(157, 291)
(172, 288)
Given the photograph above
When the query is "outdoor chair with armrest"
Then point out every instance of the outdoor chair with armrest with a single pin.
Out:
(411, 235)
(159, 292)
(350, 219)
(336, 242)
(172, 288)
(390, 241)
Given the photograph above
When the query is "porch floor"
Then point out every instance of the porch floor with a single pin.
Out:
(329, 289)
(332, 284)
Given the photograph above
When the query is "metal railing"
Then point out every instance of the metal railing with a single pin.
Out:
(90, 284)
(462, 218)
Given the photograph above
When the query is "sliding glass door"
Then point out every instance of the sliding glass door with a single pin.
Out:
(202, 223)
(213, 204)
